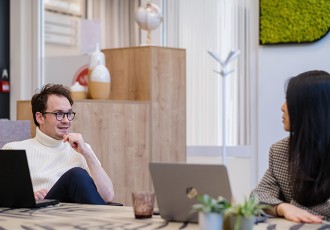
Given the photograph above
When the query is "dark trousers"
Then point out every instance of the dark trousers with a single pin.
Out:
(75, 186)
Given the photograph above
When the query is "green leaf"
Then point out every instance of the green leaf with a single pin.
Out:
(210, 204)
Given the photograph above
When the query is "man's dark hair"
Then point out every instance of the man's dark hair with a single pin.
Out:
(39, 100)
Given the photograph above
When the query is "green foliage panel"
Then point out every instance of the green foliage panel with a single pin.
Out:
(293, 21)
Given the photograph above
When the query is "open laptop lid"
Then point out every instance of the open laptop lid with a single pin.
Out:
(171, 181)
(16, 186)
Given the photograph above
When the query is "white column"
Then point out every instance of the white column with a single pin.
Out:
(25, 51)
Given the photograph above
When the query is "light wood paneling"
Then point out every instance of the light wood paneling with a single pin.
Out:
(24, 112)
(168, 100)
(130, 70)
(120, 136)
(158, 75)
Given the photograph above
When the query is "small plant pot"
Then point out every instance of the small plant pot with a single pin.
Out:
(241, 222)
(210, 221)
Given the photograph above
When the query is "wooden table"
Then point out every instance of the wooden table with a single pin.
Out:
(77, 216)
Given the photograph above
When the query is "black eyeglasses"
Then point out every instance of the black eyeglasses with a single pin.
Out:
(60, 115)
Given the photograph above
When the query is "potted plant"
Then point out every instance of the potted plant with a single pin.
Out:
(210, 210)
(242, 216)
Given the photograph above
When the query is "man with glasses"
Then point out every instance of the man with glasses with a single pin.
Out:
(62, 165)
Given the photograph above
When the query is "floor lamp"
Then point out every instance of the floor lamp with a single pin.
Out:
(224, 72)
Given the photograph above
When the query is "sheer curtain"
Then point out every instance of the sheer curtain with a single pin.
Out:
(118, 27)
(218, 25)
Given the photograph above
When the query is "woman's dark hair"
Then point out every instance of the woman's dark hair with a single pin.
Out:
(308, 101)
(39, 100)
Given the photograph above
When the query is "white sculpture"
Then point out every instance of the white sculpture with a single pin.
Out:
(148, 17)
(224, 72)
(224, 64)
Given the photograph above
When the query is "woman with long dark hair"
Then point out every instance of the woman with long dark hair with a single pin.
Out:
(297, 182)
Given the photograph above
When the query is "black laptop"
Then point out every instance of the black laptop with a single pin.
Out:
(15, 180)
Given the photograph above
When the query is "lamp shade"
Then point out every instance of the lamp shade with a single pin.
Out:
(149, 16)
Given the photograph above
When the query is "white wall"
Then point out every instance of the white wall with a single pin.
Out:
(62, 69)
(276, 64)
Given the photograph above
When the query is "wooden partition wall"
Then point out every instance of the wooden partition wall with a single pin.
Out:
(144, 119)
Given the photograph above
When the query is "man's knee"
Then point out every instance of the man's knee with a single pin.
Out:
(77, 172)
(77, 186)
(79, 177)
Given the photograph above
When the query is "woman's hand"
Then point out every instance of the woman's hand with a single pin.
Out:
(40, 194)
(293, 213)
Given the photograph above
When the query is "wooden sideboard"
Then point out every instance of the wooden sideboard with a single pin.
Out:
(144, 119)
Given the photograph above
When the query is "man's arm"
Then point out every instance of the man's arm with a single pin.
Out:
(101, 179)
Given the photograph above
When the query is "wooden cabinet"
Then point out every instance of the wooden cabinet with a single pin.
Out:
(144, 120)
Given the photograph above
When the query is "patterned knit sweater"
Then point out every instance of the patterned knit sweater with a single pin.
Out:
(48, 159)
(275, 187)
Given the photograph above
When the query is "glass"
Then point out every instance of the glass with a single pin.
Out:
(143, 204)
(60, 115)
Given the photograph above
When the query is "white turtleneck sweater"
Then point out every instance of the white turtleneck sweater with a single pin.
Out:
(48, 159)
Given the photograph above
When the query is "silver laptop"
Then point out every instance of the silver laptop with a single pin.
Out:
(16, 185)
(171, 181)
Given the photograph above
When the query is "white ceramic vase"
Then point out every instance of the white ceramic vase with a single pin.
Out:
(210, 221)
(100, 83)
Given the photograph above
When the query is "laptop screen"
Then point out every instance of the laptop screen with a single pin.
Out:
(171, 180)
(16, 186)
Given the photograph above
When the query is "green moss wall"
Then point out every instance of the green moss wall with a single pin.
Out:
(293, 21)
